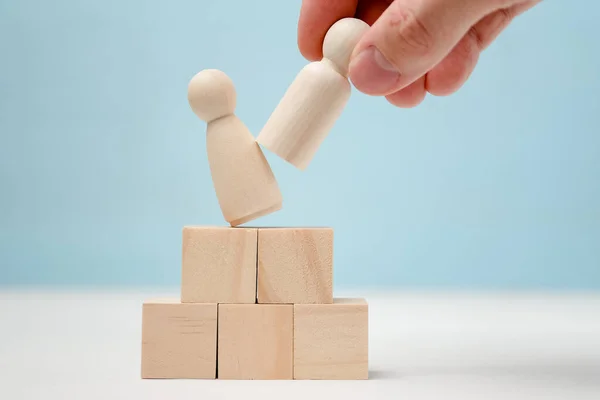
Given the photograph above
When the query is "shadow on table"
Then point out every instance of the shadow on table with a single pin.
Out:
(383, 374)
(581, 373)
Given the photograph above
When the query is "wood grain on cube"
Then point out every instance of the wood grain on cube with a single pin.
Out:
(331, 340)
(295, 265)
(255, 341)
(179, 340)
(218, 265)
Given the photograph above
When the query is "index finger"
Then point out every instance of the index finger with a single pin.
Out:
(316, 17)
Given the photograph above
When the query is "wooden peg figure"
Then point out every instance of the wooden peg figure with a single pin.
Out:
(244, 183)
(315, 100)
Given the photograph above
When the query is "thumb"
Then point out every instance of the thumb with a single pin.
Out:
(410, 38)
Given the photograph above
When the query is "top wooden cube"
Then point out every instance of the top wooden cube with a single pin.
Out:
(295, 265)
(218, 265)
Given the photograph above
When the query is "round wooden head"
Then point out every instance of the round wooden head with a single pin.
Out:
(211, 95)
(341, 39)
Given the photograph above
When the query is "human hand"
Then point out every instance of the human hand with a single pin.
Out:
(413, 46)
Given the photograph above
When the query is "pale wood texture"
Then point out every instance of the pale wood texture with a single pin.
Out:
(256, 341)
(315, 99)
(306, 114)
(243, 180)
(218, 265)
(331, 340)
(295, 265)
(179, 341)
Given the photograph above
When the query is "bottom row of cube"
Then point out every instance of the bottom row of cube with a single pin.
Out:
(255, 341)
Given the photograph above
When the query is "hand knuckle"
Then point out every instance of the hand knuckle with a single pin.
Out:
(477, 38)
(407, 33)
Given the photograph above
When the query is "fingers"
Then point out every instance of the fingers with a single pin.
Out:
(490, 26)
(316, 17)
(414, 46)
(454, 70)
(410, 38)
(410, 96)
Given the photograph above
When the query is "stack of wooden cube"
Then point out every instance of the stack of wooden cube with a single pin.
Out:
(256, 303)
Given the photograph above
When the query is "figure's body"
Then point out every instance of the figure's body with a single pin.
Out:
(244, 183)
(315, 100)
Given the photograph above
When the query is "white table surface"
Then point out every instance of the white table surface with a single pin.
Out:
(86, 345)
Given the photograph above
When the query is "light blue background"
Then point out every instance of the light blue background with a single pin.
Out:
(102, 162)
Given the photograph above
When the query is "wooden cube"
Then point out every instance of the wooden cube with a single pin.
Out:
(218, 265)
(179, 340)
(295, 265)
(331, 340)
(255, 341)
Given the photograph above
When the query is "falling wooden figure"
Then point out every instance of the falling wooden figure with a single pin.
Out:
(244, 183)
(315, 100)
